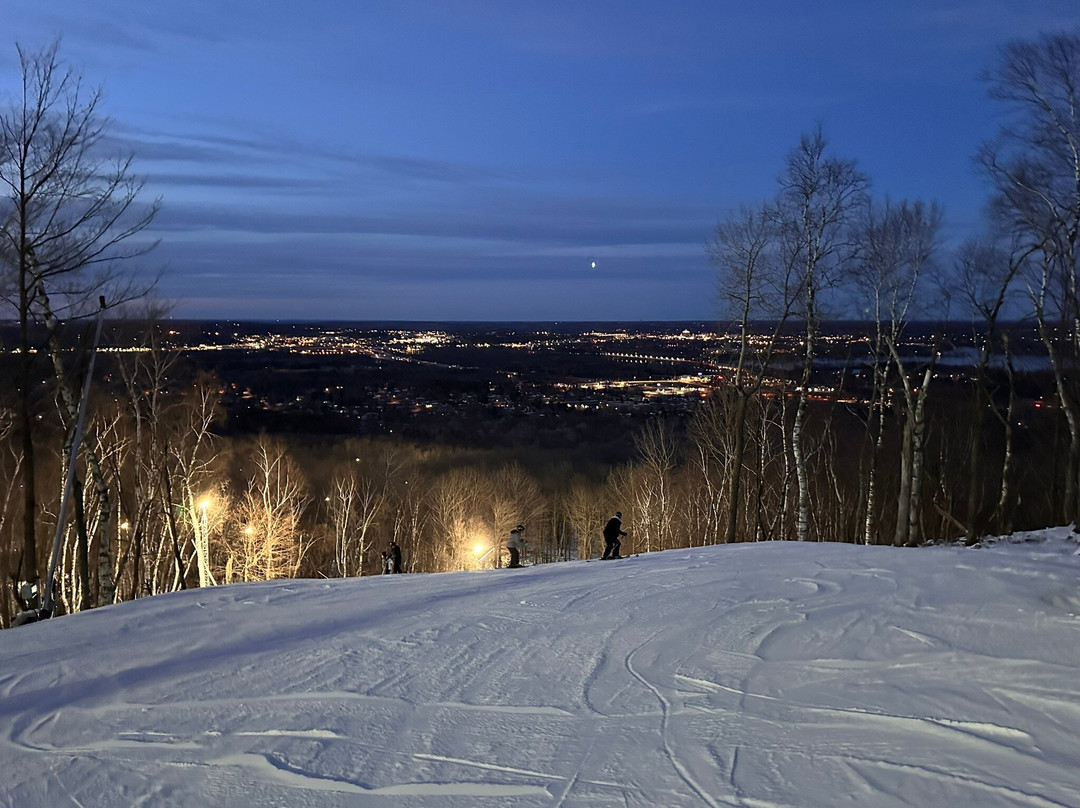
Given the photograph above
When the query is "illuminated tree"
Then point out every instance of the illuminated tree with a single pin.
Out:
(268, 540)
(653, 486)
(162, 462)
(513, 498)
(407, 509)
(10, 458)
(587, 511)
(341, 508)
(357, 499)
(456, 506)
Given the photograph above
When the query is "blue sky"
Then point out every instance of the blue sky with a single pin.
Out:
(459, 160)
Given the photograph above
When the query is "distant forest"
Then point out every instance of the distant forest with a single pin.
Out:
(134, 478)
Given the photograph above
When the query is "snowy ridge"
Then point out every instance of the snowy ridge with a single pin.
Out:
(747, 675)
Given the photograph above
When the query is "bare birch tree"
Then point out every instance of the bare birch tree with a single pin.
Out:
(269, 540)
(68, 216)
(754, 284)
(654, 496)
(358, 495)
(1034, 165)
(899, 240)
(407, 495)
(819, 198)
(10, 458)
(587, 512)
(513, 498)
(986, 274)
(456, 517)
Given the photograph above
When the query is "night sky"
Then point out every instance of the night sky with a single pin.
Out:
(456, 160)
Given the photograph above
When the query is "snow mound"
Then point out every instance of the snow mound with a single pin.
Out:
(745, 675)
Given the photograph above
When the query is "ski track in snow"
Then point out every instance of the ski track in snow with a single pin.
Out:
(754, 676)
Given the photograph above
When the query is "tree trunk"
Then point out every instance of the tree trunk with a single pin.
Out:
(737, 453)
(801, 475)
(106, 525)
(785, 485)
(759, 492)
(1002, 517)
(903, 499)
(27, 569)
(174, 534)
(1072, 501)
(971, 529)
(914, 533)
(82, 547)
(877, 433)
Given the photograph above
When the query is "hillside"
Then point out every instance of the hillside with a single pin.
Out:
(747, 675)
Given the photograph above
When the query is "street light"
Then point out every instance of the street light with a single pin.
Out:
(482, 551)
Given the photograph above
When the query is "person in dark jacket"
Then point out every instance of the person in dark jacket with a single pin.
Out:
(395, 557)
(612, 531)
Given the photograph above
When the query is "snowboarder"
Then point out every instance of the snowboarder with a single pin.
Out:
(395, 557)
(514, 545)
(612, 531)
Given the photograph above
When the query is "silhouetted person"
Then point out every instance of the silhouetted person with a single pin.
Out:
(395, 557)
(386, 563)
(612, 531)
(514, 545)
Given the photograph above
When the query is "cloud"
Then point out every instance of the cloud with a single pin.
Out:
(245, 181)
(223, 161)
(496, 220)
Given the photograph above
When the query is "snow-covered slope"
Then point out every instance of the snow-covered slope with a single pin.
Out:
(747, 675)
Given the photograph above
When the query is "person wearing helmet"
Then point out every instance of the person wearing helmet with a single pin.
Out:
(612, 531)
(514, 545)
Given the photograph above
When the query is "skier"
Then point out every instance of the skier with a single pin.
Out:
(612, 531)
(395, 557)
(514, 544)
(386, 563)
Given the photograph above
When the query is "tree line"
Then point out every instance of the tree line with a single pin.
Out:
(887, 453)
(825, 243)
(189, 507)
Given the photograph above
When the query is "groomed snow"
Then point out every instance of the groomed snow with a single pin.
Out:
(746, 675)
